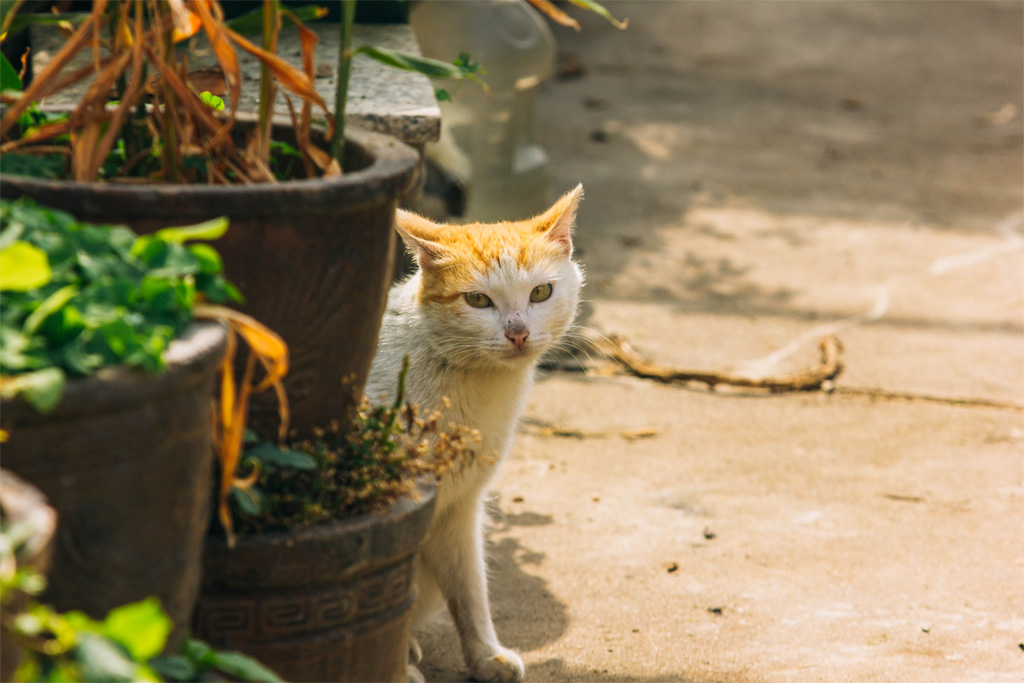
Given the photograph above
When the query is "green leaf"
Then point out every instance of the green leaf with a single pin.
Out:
(141, 627)
(47, 166)
(151, 250)
(101, 660)
(176, 668)
(42, 388)
(208, 230)
(442, 95)
(24, 19)
(248, 500)
(49, 306)
(210, 262)
(8, 75)
(272, 454)
(597, 8)
(251, 22)
(242, 667)
(5, 10)
(23, 266)
(211, 100)
(431, 68)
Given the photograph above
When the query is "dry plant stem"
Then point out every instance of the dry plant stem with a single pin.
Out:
(271, 27)
(829, 367)
(41, 85)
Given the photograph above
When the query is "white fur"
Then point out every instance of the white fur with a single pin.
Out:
(462, 353)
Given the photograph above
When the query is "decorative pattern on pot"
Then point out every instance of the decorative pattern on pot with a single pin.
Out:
(326, 603)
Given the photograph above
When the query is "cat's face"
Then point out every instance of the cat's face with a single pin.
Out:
(497, 294)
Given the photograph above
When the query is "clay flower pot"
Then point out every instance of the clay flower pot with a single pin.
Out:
(312, 257)
(326, 603)
(126, 459)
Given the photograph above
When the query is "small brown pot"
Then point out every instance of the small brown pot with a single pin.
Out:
(325, 603)
(312, 257)
(126, 459)
(23, 504)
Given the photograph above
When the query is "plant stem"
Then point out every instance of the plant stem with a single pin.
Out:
(348, 13)
(266, 109)
(169, 157)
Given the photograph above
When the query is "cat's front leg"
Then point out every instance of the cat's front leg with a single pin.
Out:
(455, 557)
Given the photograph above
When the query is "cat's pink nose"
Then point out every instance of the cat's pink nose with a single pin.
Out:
(517, 335)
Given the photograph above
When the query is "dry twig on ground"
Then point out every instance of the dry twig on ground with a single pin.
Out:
(810, 379)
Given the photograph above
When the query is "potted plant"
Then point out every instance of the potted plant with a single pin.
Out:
(312, 252)
(319, 585)
(106, 386)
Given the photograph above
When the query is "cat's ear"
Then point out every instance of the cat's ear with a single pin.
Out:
(416, 231)
(558, 221)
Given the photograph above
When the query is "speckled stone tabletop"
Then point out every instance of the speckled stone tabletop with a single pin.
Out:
(400, 103)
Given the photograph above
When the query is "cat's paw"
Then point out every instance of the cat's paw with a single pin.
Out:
(504, 665)
(413, 674)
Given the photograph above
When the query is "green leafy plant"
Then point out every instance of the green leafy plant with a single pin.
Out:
(78, 297)
(126, 645)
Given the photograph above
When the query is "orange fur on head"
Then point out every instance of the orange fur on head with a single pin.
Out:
(452, 256)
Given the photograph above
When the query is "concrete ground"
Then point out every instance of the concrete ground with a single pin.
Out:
(759, 175)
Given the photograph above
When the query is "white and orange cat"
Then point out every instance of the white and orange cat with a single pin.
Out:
(487, 301)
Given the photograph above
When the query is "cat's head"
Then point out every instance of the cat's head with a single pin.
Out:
(496, 293)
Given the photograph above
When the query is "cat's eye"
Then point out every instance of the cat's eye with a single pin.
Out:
(541, 293)
(478, 300)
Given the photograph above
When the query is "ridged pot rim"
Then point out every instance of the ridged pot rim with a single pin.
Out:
(322, 554)
(405, 505)
(393, 169)
(189, 358)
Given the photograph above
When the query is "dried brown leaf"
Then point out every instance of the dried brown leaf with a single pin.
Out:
(556, 15)
(290, 78)
(41, 85)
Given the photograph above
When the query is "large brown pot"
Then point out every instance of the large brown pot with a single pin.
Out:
(126, 459)
(312, 257)
(23, 506)
(325, 603)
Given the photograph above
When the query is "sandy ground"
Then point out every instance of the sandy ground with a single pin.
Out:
(759, 175)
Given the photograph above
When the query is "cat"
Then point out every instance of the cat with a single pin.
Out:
(486, 302)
